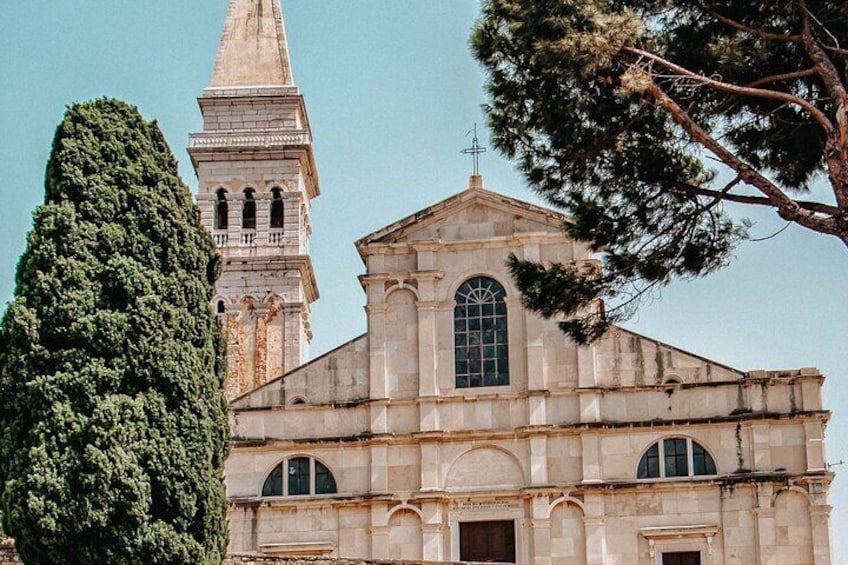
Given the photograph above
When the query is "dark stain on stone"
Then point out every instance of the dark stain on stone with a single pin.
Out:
(793, 401)
(764, 388)
(740, 454)
(660, 366)
(636, 344)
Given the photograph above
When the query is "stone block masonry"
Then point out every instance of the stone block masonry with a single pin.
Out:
(253, 559)
(8, 556)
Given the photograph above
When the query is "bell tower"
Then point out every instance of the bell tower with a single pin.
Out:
(257, 178)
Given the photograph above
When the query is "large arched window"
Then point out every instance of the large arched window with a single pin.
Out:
(222, 210)
(303, 476)
(675, 457)
(480, 334)
(248, 211)
(276, 209)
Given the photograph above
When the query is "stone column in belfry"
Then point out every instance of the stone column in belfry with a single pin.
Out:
(257, 178)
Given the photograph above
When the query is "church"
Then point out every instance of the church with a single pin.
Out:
(460, 426)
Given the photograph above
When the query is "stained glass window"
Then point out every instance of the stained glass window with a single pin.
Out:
(303, 476)
(649, 466)
(680, 457)
(324, 482)
(480, 334)
(298, 476)
(701, 461)
(274, 483)
(676, 460)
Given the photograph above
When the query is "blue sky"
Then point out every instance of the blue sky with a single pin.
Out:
(391, 89)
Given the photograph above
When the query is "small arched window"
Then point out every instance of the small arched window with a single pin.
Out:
(303, 476)
(675, 457)
(277, 209)
(248, 211)
(480, 334)
(222, 210)
(221, 308)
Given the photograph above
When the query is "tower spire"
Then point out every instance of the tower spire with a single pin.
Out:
(257, 178)
(253, 50)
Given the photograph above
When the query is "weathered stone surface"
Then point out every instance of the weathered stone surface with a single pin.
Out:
(8, 556)
(554, 452)
(254, 559)
(253, 50)
(255, 150)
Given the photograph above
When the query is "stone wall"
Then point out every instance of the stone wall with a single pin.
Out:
(8, 556)
(253, 559)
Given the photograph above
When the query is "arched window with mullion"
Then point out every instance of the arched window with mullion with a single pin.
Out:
(299, 476)
(248, 211)
(222, 210)
(672, 458)
(277, 209)
(480, 334)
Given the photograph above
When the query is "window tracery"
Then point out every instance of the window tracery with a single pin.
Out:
(480, 334)
(299, 476)
(675, 457)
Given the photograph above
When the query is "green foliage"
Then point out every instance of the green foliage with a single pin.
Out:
(617, 112)
(113, 421)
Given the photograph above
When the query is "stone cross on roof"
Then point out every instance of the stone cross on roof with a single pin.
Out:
(253, 51)
(475, 151)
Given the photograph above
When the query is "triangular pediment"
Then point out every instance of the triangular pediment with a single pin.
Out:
(472, 214)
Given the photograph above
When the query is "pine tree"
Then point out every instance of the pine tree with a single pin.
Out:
(642, 118)
(113, 421)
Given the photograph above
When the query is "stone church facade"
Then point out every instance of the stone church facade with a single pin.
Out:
(460, 426)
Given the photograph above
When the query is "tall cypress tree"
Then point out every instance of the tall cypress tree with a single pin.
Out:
(113, 425)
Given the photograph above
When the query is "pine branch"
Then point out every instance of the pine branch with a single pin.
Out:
(756, 31)
(836, 155)
(755, 200)
(781, 77)
(786, 207)
(817, 114)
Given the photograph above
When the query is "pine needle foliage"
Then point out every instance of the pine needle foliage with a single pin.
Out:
(113, 424)
(641, 119)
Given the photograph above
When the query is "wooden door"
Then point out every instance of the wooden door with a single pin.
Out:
(487, 541)
(682, 558)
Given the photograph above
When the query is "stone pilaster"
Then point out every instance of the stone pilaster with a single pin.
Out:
(538, 460)
(591, 443)
(379, 530)
(432, 531)
(814, 432)
(540, 531)
(820, 521)
(430, 464)
(766, 531)
(427, 348)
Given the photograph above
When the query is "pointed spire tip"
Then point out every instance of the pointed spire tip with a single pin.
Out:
(253, 52)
